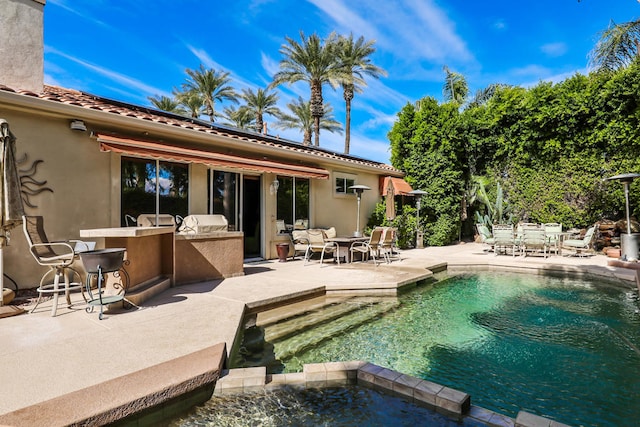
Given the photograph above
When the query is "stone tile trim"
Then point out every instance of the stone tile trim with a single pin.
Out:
(125, 396)
(334, 374)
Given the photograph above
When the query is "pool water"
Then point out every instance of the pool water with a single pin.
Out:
(344, 406)
(563, 348)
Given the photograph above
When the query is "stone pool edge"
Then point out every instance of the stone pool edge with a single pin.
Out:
(439, 398)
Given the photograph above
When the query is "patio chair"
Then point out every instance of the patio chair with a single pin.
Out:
(300, 242)
(370, 247)
(552, 231)
(581, 246)
(319, 244)
(388, 244)
(485, 236)
(57, 256)
(504, 239)
(533, 240)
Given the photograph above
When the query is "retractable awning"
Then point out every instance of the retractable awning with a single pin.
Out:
(156, 150)
(399, 185)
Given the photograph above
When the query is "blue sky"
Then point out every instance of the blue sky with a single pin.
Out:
(130, 50)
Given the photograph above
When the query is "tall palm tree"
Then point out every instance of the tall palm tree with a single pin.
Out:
(313, 61)
(455, 88)
(483, 96)
(260, 103)
(301, 119)
(212, 85)
(354, 57)
(618, 46)
(191, 101)
(241, 117)
(164, 103)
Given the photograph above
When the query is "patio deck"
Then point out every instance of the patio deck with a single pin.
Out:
(44, 358)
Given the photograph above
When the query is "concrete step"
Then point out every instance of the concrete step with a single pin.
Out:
(314, 335)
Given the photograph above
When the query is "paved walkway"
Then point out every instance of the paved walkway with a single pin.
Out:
(43, 357)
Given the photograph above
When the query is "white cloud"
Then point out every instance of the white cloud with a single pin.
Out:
(554, 50)
(131, 83)
(500, 25)
(409, 29)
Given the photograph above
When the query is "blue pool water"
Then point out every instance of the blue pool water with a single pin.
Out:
(563, 348)
(345, 407)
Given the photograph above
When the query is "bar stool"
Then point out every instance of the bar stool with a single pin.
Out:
(57, 256)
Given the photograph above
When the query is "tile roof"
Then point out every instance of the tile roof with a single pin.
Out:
(93, 102)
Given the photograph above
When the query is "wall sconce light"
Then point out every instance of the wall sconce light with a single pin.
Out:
(273, 188)
(78, 125)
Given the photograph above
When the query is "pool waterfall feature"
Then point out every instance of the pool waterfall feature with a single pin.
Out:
(462, 335)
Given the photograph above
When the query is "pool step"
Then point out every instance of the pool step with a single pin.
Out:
(314, 335)
(273, 316)
(294, 326)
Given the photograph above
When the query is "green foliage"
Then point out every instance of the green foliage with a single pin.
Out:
(542, 151)
(405, 222)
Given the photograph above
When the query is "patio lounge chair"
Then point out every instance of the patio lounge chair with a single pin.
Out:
(57, 256)
(370, 247)
(485, 236)
(533, 240)
(581, 246)
(319, 244)
(504, 239)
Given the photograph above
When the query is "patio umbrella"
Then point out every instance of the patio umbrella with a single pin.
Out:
(390, 201)
(11, 208)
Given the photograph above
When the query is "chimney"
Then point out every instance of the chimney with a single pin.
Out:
(22, 44)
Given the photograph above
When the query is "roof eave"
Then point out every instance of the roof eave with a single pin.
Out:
(149, 129)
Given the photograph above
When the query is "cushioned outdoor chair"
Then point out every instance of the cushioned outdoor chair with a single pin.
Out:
(485, 236)
(580, 247)
(58, 257)
(372, 247)
(319, 244)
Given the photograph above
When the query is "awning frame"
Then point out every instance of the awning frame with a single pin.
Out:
(167, 152)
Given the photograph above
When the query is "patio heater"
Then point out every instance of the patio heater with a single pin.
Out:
(358, 189)
(418, 195)
(628, 242)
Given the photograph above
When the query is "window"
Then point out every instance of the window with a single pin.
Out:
(342, 183)
(153, 186)
(222, 193)
(293, 201)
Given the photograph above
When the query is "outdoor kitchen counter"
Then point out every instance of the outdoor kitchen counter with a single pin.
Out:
(150, 252)
(206, 256)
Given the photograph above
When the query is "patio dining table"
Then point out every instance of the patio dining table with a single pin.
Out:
(344, 245)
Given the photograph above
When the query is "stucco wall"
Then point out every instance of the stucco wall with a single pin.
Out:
(77, 172)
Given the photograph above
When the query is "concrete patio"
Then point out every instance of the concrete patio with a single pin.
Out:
(44, 357)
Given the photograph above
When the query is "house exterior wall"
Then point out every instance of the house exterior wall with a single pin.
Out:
(79, 176)
(85, 186)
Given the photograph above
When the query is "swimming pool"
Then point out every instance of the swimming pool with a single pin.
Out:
(349, 406)
(563, 348)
